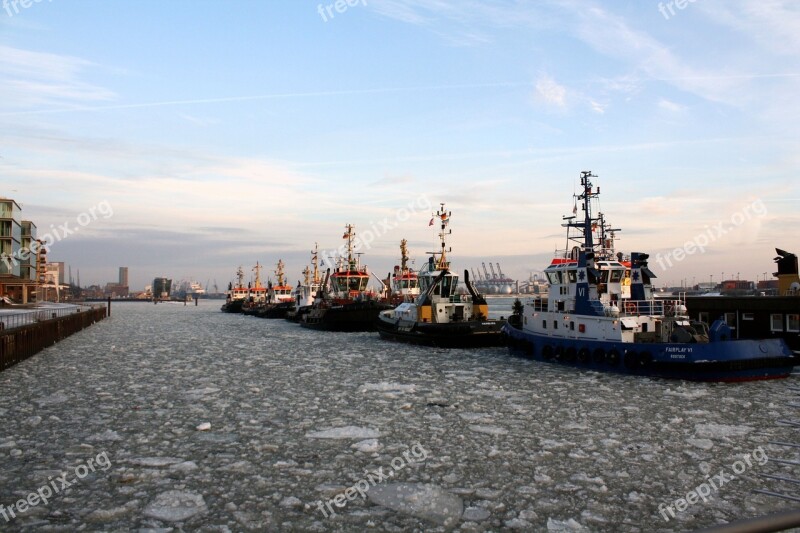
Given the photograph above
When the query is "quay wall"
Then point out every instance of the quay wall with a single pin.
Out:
(26, 335)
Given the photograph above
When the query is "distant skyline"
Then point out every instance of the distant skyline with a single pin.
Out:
(221, 135)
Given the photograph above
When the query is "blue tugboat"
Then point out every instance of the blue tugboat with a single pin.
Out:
(601, 314)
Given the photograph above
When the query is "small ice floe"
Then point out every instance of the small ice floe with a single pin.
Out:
(346, 432)
(196, 394)
(175, 506)
(564, 525)
(476, 514)
(52, 399)
(518, 523)
(156, 461)
(428, 502)
(489, 430)
(367, 446)
(388, 387)
(106, 436)
(711, 431)
(291, 501)
(205, 426)
(703, 444)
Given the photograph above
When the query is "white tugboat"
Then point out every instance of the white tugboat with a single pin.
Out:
(256, 294)
(440, 316)
(304, 294)
(236, 294)
(279, 296)
(601, 314)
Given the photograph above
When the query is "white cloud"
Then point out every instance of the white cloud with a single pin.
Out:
(550, 92)
(668, 105)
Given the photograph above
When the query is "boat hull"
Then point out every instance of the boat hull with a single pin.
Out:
(234, 306)
(275, 310)
(357, 316)
(738, 360)
(468, 334)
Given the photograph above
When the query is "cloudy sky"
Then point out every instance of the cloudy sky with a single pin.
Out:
(221, 134)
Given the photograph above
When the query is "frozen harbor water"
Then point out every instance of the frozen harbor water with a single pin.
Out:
(218, 422)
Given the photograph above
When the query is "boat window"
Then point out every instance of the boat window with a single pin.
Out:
(748, 316)
(776, 322)
(730, 319)
(555, 324)
(572, 326)
(554, 277)
(573, 276)
(447, 285)
(703, 316)
(616, 275)
(604, 276)
(793, 323)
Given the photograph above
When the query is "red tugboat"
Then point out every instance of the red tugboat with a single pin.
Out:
(344, 304)
(403, 282)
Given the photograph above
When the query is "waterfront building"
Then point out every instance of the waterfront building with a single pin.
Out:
(19, 258)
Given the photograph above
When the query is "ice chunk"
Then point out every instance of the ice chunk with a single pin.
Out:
(423, 501)
(176, 506)
(347, 432)
(489, 430)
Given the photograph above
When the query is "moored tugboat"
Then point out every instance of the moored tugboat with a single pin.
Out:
(236, 294)
(440, 316)
(304, 294)
(593, 319)
(403, 283)
(256, 294)
(279, 297)
(344, 304)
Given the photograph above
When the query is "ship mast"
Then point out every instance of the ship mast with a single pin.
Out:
(306, 276)
(404, 256)
(279, 272)
(315, 263)
(257, 270)
(444, 218)
(240, 277)
(351, 263)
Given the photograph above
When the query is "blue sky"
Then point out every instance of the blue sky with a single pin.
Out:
(226, 133)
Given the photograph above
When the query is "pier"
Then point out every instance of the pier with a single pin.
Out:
(25, 333)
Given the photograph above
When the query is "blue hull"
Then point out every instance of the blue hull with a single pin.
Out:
(739, 360)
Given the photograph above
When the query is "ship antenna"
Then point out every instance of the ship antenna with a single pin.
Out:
(315, 262)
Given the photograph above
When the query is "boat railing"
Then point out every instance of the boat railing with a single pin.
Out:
(657, 307)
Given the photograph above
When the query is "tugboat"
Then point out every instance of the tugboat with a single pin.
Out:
(588, 321)
(440, 316)
(256, 294)
(305, 293)
(403, 283)
(344, 304)
(236, 294)
(279, 297)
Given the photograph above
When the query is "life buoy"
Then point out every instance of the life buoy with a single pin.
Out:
(584, 355)
(570, 354)
(547, 352)
(599, 356)
(630, 308)
(613, 358)
(631, 359)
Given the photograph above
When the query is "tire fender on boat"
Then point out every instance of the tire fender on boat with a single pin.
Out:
(631, 359)
(613, 357)
(570, 354)
(547, 352)
(599, 356)
(583, 355)
(645, 359)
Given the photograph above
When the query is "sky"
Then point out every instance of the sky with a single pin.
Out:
(186, 138)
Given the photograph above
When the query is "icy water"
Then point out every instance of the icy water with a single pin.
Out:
(173, 418)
